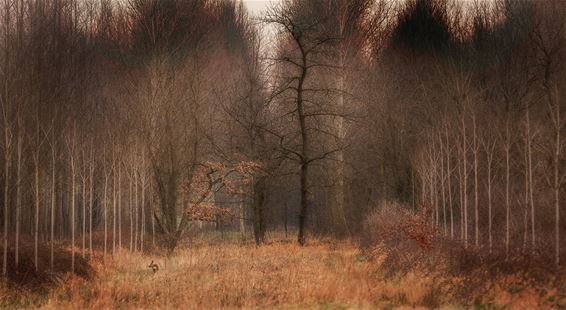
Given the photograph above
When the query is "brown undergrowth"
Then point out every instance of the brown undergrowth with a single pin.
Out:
(405, 242)
(228, 273)
(210, 276)
(24, 280)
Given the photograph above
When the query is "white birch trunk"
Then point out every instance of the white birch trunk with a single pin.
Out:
(18, 191)
(476, 185)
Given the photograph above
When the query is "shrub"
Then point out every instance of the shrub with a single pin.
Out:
(406, 242)
(405, 237)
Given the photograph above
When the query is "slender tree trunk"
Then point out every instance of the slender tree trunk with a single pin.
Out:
(449, 179)
(526, 198)
(461, 196)
(489, 203)
(143, 185)
(558, 147)
(476, 183)
(422, 177)
(152, 221)
(84, 200)
(257, 206)
(304, 204)
(413, 190)
(113, 208)
(384, 194)
(443, 185)
(131, 209)
(119, 207)
(91, 203)
(242, 213)
(433, 220)
(7, 143)
(340, 223)
(105, 214)
(136, 211)
(507, 182)
(434, 189)
(285, 220)
(465, 179)
(53, 201)
(18, 191)
(142, 234)
(557, 174)
(7, 137)
(305, 147)
(37, 202)
(530, 174)
(73, 194)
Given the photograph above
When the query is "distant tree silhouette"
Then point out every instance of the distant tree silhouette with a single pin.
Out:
(422, 26)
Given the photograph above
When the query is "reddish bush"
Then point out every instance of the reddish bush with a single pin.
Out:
(407, 241)
(404, 236)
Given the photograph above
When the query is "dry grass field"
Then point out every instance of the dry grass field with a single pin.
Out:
(231, 274)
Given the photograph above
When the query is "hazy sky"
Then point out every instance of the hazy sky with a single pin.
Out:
(257, 6)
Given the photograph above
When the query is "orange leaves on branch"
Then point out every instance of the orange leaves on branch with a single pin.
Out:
(214, 166)
(208, 212)
(211, 177)
(247, 167)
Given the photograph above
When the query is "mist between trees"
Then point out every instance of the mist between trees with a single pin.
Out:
(142, 121)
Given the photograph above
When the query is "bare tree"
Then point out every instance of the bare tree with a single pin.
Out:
(305, 42)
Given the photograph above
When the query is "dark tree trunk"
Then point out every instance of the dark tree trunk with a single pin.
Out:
(258, 201)
(304, 204)
(285, 219)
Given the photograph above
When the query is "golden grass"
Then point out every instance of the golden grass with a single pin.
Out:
(234, 275)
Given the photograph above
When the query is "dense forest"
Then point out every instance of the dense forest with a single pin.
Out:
(133, 125)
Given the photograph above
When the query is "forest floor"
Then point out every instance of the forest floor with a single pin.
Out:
(212, 273)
